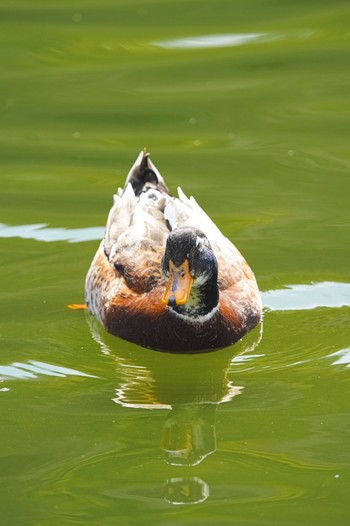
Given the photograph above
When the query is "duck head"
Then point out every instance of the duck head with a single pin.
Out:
(190, 267)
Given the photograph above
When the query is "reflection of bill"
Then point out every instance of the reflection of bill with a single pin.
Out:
(186, 490)
(191, 387)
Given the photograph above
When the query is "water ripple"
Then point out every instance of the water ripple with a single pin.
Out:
(212, 41)
(34, 368)
(309, 296)
(342, 357)
(41, 232)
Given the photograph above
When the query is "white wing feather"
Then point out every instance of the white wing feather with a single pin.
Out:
(133, 220)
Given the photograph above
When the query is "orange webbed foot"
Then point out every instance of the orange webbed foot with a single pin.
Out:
(77, 306)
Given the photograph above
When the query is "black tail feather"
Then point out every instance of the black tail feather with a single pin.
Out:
(144, 175)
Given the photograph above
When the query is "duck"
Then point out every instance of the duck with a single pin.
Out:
(164, 276)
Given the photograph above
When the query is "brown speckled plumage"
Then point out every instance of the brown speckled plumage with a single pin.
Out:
(125, 283)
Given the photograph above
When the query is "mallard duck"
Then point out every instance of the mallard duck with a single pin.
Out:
(164, 276)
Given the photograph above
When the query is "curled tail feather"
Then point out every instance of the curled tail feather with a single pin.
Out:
(144, 175)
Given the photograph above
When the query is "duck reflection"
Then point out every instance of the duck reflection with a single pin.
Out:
(186, 490)
(190, 386)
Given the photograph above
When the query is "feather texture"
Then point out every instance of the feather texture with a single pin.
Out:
(125, 282)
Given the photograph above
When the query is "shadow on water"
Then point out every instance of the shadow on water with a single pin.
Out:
(191, 395)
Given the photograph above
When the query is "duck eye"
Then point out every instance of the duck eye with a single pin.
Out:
(119, 267)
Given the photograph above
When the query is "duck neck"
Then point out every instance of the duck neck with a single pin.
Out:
(203, 299)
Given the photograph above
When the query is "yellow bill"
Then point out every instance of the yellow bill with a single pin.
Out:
(179, 284)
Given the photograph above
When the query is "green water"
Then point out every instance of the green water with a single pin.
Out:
(95, 430)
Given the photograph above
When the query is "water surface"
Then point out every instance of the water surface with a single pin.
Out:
(248, 110)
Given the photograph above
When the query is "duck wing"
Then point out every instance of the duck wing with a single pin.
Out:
(137, 212)
(136, 228)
